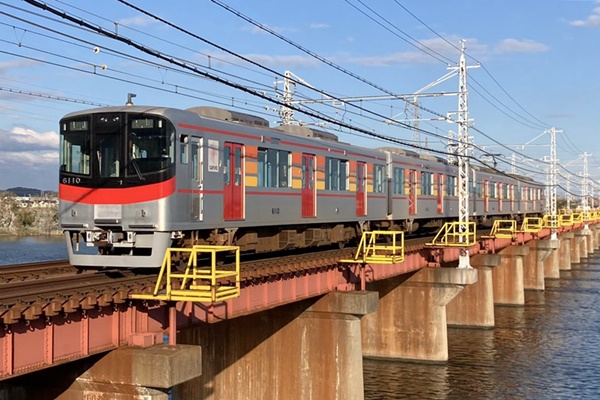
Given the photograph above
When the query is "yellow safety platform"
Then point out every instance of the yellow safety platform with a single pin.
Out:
(578, 218)
(197, 283)
(589, 216)
(503, 229)
(551, 222)
(531, 225)
(372, 249)
(456, 234)
(565, 219)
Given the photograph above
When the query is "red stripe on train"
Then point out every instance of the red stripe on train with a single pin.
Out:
(129, 195)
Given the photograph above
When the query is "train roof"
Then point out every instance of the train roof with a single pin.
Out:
(222, 114)
(397, 150)
(230, 116)
(307, 132)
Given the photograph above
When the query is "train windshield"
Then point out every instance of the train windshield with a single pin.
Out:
(149, 148)
(75, 147)
(135, 147)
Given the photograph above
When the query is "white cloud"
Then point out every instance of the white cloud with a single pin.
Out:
(428, 46)
(521, 46)
(20, 139)
(318, 26)
(279, 61)
(592, 21)
(16, 64)
(140, 21)
(19, 159)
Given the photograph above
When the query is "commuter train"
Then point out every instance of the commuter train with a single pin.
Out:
(136, 180)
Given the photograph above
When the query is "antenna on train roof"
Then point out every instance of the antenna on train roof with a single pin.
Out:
(129, 97)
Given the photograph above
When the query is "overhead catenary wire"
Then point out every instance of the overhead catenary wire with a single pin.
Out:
(219, 79)
(404, 143)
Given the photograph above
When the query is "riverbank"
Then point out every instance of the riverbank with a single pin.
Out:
(16, 220)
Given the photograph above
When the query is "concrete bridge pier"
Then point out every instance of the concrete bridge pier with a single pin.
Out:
(591, 239)
(564, 251)
(576, 244)
(411, 323)
(311, 349)
(128, 373)
(533, 263)
(508, 279)
(596, 230)
(474, 306)
(552, 262)
(583, 243)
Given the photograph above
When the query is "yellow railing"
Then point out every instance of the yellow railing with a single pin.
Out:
(504, 229)
(456, 234)
(565, 219)
(589, 216)
(372, 249)
(531, 225)
(578, 218)
(551, 221)
(197, 283)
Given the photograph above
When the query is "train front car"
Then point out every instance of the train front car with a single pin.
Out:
(117, 174)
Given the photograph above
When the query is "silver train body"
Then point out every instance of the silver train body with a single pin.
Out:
(136, 180)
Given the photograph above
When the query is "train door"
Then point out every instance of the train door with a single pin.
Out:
(440, 193)
(500, 192)
(486, 196)
(511, 194)
(197, 178)
(412, 192)
(309, 188)
(361, 193)
(233, 185)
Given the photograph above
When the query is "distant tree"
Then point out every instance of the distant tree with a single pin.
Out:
(561, 202)
(26, 218)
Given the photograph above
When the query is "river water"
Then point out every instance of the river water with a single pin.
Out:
(547, 349)
(26, 249)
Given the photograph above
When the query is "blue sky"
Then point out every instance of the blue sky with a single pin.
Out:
(539, 69)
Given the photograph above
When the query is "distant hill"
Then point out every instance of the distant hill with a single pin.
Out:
(23, 191)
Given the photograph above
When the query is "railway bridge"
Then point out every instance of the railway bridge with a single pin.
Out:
(297, 327)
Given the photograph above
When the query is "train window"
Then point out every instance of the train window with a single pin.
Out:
(274, 168)
(493, 190)
(107, 154)
(426, 183)
(75, 147)
(478, 189)
(184, 152)
(284, 165)
(311, 169)
(332, 166)
(238, 167)
(195, 155)
(336, 173)
(149, 146)
(378, 180)
(398, 179)
(227, 165)
(451, 185)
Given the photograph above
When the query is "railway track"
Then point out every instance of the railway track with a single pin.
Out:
(37, 270)
(29, 291)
